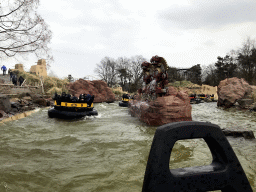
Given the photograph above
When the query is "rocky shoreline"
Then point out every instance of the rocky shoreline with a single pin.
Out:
(17, 116)
(21, 106)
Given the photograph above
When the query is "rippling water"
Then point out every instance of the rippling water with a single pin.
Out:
(104, 153)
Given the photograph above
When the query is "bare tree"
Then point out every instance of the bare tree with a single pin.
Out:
(136, 72)
(209, 75)
(22, 30)
(124, 72)
(106, 70)
(204, 72)
(247, 60)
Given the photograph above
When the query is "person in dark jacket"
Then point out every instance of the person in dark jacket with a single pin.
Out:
(21, 80)
(81, 98)
(68, 98)
(74, 99)
(11, 74)
(14, 79)
(89, 99)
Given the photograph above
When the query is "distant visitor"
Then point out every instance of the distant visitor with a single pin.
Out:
(14, 79)
(21, 80)
(3, 68)
(11, 74)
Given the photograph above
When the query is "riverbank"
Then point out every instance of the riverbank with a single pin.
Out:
(22, 105)
(18, 116)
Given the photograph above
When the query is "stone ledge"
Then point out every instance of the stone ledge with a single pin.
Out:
(17, 86)
(244, 103)
(7, 85)
(10, 95)
(238, 132)
(18, 116)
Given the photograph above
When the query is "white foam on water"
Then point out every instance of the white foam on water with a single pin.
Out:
(102, 105)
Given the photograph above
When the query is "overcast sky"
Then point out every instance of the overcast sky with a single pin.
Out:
(184, 32)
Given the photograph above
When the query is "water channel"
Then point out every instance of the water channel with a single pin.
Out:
(104, 153)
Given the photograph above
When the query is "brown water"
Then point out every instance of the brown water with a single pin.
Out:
(104, 153)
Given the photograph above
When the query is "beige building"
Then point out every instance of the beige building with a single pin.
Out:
(19, 67)
(40, 68)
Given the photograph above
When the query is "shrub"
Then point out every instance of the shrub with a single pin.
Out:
(54, 90)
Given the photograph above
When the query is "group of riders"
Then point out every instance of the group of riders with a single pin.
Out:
(201, 96)
(127, 96)
(83, 98)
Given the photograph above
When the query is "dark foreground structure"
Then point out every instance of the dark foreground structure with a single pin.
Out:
(225, 173)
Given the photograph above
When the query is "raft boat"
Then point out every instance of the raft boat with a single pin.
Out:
(66, 107)
(125, 101)
(194, 99)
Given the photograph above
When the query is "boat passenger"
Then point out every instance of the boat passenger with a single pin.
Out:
(81, 98)
(90, 100)
(74, 99)
(56, 97)
(62, 97)
(87, 98)
(67, 98)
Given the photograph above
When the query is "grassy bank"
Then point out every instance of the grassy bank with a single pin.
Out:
(50, 84)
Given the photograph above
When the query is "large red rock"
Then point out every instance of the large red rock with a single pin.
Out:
(232, 89)
(98, 88)
(172, 108)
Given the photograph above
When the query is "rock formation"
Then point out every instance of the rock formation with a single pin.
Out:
(100, 90)
(154, 77)
(231, 90)
(163, 110)
(26, 102)
(5, 104)
(157, 103)
(238, 132)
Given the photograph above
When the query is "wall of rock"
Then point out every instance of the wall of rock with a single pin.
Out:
(231, 90)
(98, 88)
(173, 107)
